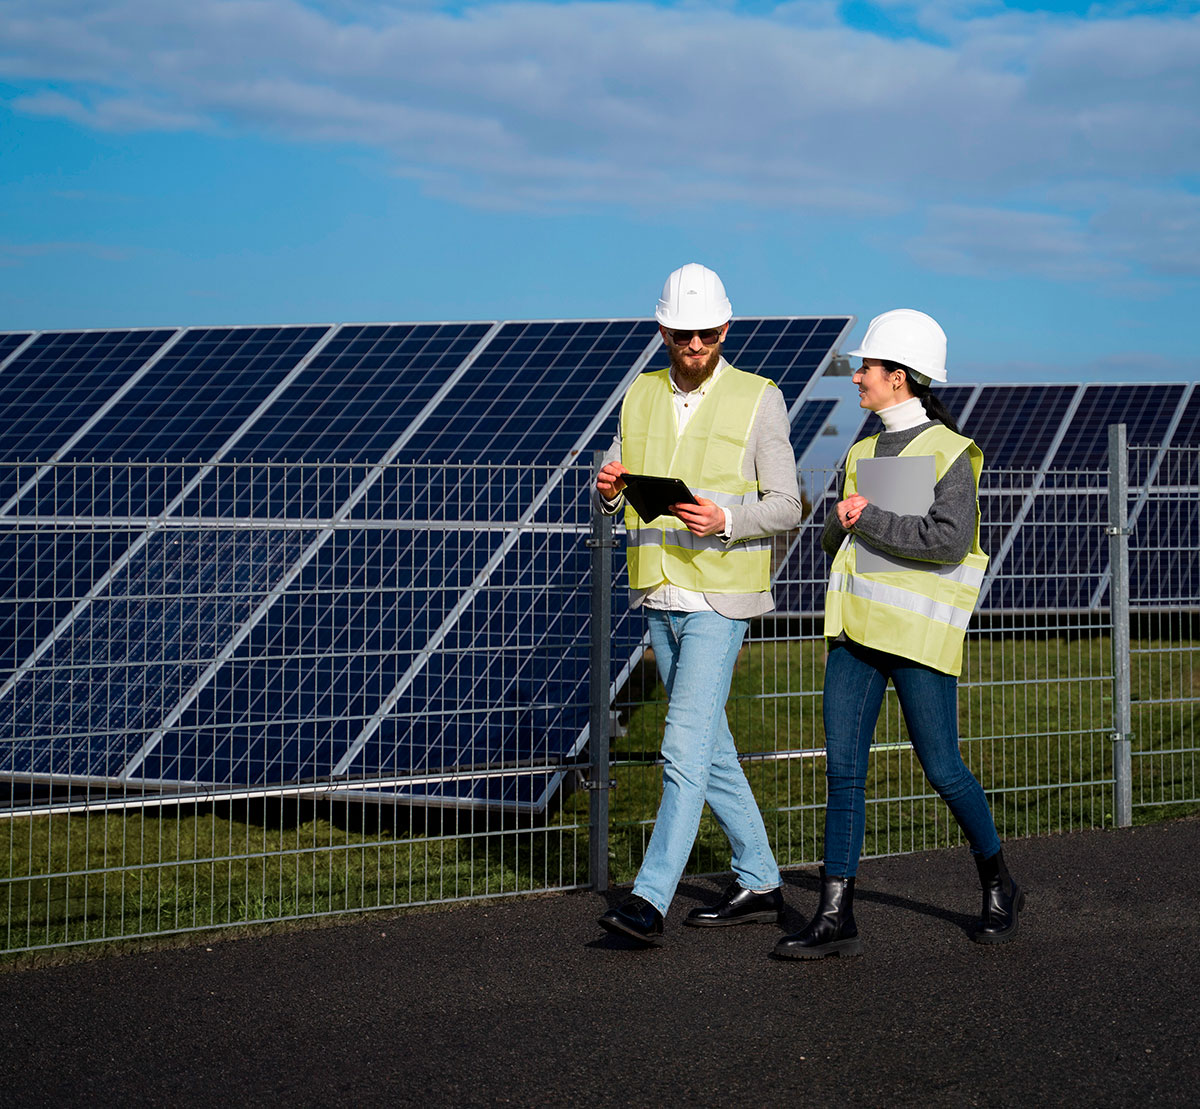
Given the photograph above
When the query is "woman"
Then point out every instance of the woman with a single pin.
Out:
(901, 592)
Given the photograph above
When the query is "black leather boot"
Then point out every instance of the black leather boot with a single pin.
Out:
(831, 931)
(1003, 899)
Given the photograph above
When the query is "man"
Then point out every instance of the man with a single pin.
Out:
(700, 574)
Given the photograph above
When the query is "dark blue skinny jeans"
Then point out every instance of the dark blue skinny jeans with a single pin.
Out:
(855, 680)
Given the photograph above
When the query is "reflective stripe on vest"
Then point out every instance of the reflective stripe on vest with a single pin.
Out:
(708, 456)
(921, 614)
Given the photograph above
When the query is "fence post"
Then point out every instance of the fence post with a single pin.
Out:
(599, 681)
(1118, 559)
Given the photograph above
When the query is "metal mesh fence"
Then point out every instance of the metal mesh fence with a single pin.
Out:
(240, 693)
(1035, 696)
(1036, 710)
(1164, 601)
(233, 694)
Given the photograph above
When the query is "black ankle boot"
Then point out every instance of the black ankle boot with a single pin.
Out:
(831, 931)
(1002, 900)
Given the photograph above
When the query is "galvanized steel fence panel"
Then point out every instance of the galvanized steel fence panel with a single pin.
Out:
(240, 693)
(1164, 602)
(1036, 697)
(236, 694)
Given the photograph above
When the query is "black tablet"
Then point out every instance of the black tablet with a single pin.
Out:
(653, 496)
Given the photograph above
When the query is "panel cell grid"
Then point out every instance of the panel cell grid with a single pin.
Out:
(198, 394)
(60, 380)
(1015, 425)
(1146, 410)
(10, 340)
(1055, 565)
(784, 350)
(359, 393)
(532, 392)
(1187, 434)
(808, 423)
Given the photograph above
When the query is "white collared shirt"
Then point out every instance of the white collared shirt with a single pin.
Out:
(668, 596)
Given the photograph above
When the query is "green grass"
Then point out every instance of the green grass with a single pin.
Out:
(1036, 723)
(1035, 717)
(87, 878)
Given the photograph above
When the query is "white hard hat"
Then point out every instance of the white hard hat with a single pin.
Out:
(909, 337)
(694, 298)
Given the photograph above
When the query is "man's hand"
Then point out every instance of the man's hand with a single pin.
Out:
(705, 518)
(849, 510)
(609, 482)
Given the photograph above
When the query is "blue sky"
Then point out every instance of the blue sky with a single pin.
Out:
(1027, 173)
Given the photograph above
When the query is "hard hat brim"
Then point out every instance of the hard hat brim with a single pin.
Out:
(692, 322)
(928, 373)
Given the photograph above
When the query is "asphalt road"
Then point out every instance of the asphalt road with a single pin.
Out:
(527, 1002)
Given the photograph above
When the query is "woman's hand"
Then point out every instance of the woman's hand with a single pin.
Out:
(849, 510)
(609, 483)
(705, 518)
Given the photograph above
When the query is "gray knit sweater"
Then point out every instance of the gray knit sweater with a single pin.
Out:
(944, 534)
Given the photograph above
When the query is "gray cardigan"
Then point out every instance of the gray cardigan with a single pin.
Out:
(769, 460)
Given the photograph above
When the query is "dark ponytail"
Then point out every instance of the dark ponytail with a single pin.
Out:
(934, 408)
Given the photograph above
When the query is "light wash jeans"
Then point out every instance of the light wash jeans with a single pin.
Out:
(695, 653)
(855, 680)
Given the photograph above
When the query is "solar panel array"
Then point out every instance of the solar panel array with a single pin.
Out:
(1043, 444)
(152, 655)
(259, 680)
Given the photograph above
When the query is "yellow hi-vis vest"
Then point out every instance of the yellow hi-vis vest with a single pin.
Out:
(923, 613)
(708, 457)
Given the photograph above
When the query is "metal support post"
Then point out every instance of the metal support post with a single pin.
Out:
(600, 679)
(1118, 557)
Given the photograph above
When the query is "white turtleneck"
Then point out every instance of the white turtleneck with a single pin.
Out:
(902, 416)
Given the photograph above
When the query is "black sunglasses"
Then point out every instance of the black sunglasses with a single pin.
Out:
(708, 336)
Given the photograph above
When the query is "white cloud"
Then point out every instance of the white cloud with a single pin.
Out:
(548, 105)
(992, 241)
(1158, 230)
(112, 114)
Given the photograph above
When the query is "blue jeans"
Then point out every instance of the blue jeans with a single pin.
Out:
(695, 653)
(855, 680)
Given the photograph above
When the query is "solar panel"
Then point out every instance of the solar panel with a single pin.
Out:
(200, 393)
(532, 392)
(1015, 425)
(48, 391)
(786, 350)
(808, 423)
(246, 564)
(1043, 564)
(1187, 434)
(302, 689)
(359, 393)
(10, 342)
(1164, 564)
(1145, 409)
(1039, 561)
(203, 389)
(1058, 558)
